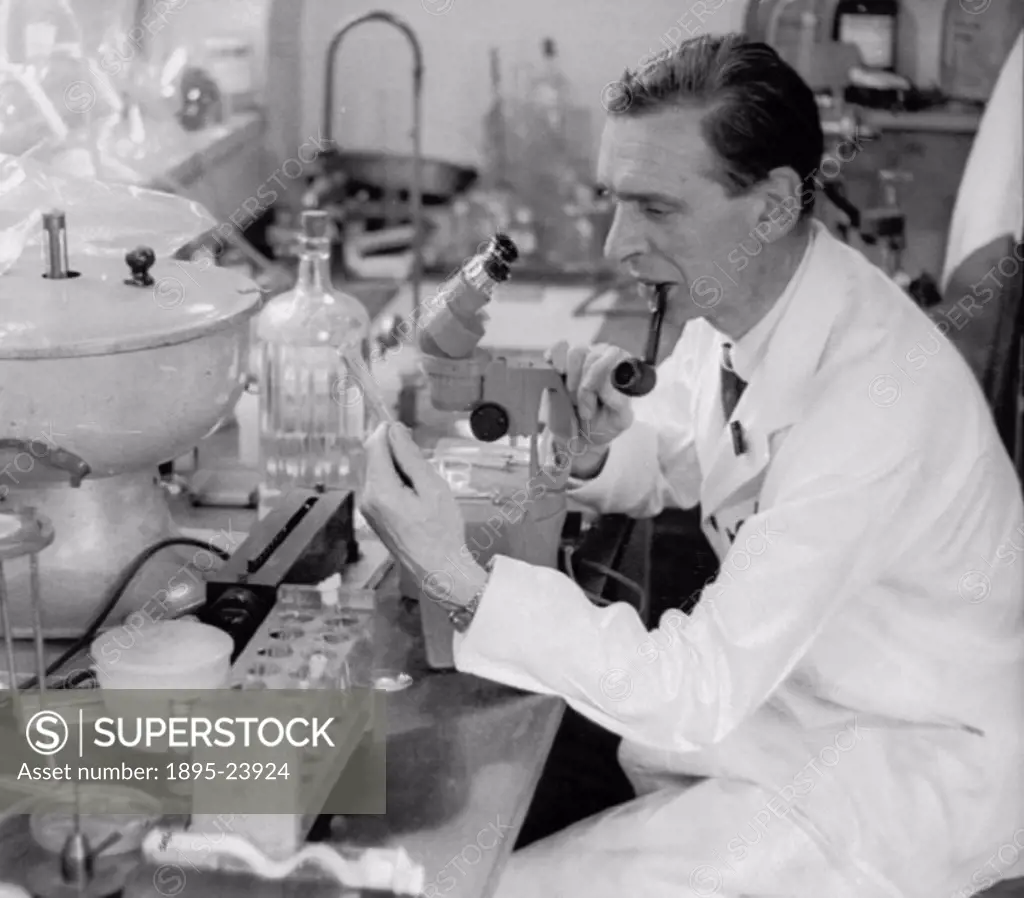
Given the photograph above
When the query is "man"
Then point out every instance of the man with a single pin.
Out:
(849, 688)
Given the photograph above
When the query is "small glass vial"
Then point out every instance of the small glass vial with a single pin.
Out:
(312, 417)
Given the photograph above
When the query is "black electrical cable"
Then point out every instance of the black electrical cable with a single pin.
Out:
(116, 593)
(572, 566)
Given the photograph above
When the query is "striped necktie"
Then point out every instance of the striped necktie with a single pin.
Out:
(732, 384)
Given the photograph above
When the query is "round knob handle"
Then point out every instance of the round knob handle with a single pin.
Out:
(489, 422)
(139, 261)
(233, 611)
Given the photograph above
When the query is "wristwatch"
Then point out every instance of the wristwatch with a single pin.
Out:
(461, 616)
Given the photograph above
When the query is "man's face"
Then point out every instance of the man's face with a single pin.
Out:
(673, 223)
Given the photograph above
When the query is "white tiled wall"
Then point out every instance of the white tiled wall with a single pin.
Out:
(172, 23)
(596, 39)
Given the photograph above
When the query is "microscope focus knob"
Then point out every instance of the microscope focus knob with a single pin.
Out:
(489, 422)
(139, 261)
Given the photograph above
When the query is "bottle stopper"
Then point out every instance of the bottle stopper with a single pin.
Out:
(316, 224)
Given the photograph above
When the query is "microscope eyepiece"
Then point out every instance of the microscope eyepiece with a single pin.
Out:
(501, 252)
(501, 245)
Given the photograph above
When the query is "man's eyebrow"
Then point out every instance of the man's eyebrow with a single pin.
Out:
(637, 196)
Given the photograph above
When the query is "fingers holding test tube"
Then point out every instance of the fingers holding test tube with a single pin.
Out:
(367, 388)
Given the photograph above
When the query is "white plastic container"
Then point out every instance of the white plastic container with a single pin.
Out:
(165, 654)
(183, 655)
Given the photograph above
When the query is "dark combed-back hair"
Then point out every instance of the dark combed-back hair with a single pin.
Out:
(761, 113)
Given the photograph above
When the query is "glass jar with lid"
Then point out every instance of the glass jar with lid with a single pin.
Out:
(231, 62)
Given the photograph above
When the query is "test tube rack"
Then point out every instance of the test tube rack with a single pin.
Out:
(307, 641)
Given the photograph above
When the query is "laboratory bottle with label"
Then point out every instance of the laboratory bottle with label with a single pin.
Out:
(871, 26)
(313, 418)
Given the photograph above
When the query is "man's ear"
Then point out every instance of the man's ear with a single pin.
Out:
(781, 195)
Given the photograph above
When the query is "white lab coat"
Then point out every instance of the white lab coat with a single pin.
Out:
(851, 686)
(990, 201)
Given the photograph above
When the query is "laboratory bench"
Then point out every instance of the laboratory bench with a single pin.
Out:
(953, 118)
(463, 755)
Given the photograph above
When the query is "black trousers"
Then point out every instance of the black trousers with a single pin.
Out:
(581, 778)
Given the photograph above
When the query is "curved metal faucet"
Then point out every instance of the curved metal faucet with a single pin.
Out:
(416, 198)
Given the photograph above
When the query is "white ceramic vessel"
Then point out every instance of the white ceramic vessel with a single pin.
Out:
(103, 378)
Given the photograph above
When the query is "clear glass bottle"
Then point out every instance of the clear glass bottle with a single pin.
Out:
(313, 418)
(550, 89)
(553, 138)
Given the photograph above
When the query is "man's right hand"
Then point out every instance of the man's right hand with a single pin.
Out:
(603, 411)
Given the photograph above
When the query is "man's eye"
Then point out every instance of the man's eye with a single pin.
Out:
(656, 211)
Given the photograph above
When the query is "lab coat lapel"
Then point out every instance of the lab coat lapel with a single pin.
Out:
(777, 394)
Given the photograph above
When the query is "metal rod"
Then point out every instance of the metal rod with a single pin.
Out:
(327, 128)
(139, 20)
(5, 620)
(77, 858)
(37, 622)
(55, 226)
(1019, 407)
(417, 176)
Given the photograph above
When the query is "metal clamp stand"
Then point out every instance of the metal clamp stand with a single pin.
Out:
(24, 533)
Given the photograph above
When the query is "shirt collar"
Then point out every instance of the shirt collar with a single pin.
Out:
(749, 351)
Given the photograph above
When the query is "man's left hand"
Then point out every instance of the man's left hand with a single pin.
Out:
(420, 524)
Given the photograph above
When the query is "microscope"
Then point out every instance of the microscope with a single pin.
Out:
(505, 394)
(513, 498)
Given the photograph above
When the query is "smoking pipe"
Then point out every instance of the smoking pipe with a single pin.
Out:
(637, 377)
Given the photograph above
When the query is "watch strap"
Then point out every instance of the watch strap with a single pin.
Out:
(461, 616)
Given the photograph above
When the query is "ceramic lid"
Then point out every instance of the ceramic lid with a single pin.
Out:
(98, 313)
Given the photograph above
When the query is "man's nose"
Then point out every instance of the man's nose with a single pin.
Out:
(624, 239)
